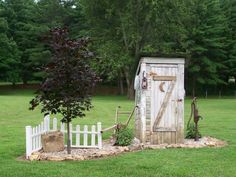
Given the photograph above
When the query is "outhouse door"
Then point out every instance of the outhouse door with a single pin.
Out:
(164, 101)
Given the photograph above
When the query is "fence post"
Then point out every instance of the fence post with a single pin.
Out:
(28, 130)
(99, 129)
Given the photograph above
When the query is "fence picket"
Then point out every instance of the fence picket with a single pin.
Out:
(71, 129)
(54, 124)
(77, 141)
(62, 127)
(33, 144)
(93, 136)
(85, 135)
(42, 127)
(40, 131)
(36, 137)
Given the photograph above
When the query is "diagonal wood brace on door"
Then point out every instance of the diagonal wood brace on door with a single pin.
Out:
(166, 98)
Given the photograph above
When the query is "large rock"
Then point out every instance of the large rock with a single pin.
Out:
(53, 142)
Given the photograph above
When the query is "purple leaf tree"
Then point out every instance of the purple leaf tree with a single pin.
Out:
(69, 79)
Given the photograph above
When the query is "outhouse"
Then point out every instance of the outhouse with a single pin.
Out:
(159, 96)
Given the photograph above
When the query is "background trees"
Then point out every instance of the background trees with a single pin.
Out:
(201, 30)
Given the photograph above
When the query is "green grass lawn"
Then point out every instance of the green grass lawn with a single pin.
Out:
(219, 121)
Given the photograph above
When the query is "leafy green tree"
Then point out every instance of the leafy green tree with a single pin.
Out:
(206, 43)
(229, 8)
(69, 79)
(135, 26)
(9, 60)
(26, 33)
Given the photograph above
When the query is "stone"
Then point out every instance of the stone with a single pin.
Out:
(123, 148)
(53, 141)
(79, 157)
(104, 153)
(69, 157)
(210, 144)
(135, 147)
(56, 158)
(34, 157)
(135, 141)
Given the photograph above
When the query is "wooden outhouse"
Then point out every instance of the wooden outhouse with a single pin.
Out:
(159, 95)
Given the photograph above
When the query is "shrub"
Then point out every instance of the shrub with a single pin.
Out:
(124, 136)
(191, 132)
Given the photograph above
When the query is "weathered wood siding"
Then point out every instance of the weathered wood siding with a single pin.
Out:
(170, 129)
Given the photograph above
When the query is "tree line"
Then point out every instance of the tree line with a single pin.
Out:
(203, 31)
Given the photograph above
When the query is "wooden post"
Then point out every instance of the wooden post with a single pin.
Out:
(99, 129)
(206, 94)
(116, 118)
(28, 130)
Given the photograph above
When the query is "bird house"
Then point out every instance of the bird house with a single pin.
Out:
(159, 95)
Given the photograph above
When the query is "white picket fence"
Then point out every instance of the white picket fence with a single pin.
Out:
(33, 135)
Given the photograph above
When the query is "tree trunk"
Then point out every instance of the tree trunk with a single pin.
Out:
(25, 81)
(130, 84)
(68, 138)
(121, 85)
(193, 87)
(130, 92)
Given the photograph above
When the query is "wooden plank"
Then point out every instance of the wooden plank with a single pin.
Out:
(165, 129)
(164, 78)
(162, 60)
(109, 128)
(164, 105)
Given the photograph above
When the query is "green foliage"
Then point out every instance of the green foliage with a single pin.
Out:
(202, 30)
(124, 136)
(190, 132)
